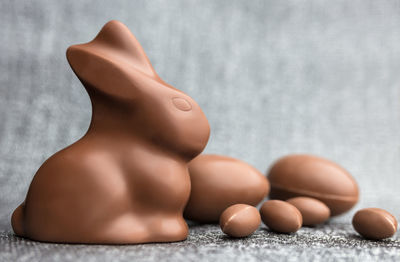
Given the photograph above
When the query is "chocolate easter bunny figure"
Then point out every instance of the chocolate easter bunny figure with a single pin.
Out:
(126, 180)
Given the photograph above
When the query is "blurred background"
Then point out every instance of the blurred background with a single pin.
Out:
(273, 78)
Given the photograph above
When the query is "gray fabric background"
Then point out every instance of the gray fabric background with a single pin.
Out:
(273, 77)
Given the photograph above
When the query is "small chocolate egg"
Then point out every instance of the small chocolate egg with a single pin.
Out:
(219, 182)
(311, 176)
(374, 223)
(240, 220)
(281, 216)
(312, 210)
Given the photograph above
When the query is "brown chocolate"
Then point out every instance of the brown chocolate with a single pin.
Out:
(311, 176)
(240, 220)
(374, 223)
(219, 182)
(281, 216)
(312, 210)
(126, 180)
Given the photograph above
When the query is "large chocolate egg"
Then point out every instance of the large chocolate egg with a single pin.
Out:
(311, 176)
(219, 182)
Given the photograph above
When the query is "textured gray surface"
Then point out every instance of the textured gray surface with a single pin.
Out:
(273, 77)
(332, 242)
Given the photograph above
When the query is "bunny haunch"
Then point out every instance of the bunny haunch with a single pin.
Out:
(126, 180)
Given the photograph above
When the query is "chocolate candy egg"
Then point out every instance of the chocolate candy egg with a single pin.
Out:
(281, 216)
(219, 182)
(374, 223)
(311, 176)
(240, 220)
(312, 210)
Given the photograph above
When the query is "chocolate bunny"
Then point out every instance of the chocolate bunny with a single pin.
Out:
(126, 180)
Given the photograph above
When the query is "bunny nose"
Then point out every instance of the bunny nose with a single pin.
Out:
(181, 104)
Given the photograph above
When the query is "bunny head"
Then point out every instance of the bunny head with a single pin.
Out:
(129, 96)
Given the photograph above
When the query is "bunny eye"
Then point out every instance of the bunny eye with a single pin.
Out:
(181, 104)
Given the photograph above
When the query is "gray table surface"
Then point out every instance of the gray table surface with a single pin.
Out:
(273, 78)
(334, 241)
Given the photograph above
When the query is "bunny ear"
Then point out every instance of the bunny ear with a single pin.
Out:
(118, 38)
(111, 61)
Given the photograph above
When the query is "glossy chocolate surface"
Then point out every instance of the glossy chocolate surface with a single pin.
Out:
(311, 176)
(219, 182)
(126, 180)
(281, 216)
(374, 223)
(312, 210)
(240, 220)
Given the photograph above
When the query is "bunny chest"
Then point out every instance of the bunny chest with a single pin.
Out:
(156, 180)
